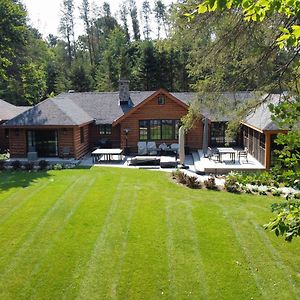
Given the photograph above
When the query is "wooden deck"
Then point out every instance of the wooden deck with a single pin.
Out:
(204, 165)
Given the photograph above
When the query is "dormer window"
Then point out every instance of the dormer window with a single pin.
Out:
(161, 100)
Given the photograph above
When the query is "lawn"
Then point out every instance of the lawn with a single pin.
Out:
(110, 233)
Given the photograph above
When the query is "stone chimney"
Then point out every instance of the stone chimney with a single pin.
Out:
(124, 95)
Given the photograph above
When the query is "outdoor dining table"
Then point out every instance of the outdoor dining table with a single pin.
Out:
(107, 154)
(226, 150)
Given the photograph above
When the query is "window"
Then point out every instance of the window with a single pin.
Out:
(262, 140)
(143, 125)
(218, 133)
(81, 135)
(155, 129)
(158, 129)
(105, 129)
(161, 100)
(167, 129)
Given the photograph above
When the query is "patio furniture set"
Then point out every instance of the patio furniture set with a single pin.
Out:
(218, 153)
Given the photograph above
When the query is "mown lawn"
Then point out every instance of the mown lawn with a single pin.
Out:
(133, 234)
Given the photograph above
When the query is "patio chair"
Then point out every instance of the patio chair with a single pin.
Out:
(142, 148)
(175, 148)
(151, 148)
(243, 153)
(213, 153)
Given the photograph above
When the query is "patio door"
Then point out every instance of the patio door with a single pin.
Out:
(44, 142)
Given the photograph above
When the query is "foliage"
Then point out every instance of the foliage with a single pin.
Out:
(183, 178)
(28, 166)
(193, 182)
(254, 10)
(2, 164)
(287, 220)
(210, 183)
(57, 167)
(231, 184)
(43, 164)
(287, 115)
(16, 164)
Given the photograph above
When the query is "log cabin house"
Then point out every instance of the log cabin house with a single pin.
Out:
(74, 123)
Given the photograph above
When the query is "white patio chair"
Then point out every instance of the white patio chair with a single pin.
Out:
(243, 153)
(151, 148)
(142, 148)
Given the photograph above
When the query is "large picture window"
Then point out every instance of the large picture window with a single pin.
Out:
(158, 129)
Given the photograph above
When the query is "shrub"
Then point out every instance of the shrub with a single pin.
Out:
(231, 184)
(43, 164)
(210, 183)
(192, 182)
(29, 166)
(16, 164)
(276, 193)
(57, 167)
(2, 163)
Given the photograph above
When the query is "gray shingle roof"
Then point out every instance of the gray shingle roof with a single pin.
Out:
(52, 112)
(103, 108)
(261, 116)
(9, 111)
(220, 113)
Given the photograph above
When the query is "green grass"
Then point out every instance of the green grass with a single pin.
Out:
(133, 234)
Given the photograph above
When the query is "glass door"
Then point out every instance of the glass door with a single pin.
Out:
(44, 142)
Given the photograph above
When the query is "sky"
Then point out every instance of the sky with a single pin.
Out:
(45, 14)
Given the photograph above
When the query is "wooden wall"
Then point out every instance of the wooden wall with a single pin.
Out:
(95, 137)
(66, 139)
(17, 143)
(152, 110)
(81, 148)
(4, 141)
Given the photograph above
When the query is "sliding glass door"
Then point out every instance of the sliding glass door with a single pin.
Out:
(44, 142)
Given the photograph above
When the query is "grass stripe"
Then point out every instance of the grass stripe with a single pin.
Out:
(86, 283)
(47, 247)
(16, 259)
(247, 254)
(170, 252)
(123, 250)
(21, 202)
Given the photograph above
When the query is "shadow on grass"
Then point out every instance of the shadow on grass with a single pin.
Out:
(15, 179)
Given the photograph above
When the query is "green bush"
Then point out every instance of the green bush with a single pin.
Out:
(43, 164)
(192, 182)
(29, 166)
(16, 164)
(2, 163)
(231, 184)
(57, 167)
(210, 183)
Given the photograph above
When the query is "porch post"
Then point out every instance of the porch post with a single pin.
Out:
(268, 150)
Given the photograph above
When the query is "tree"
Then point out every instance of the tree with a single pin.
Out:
(12, 34)
(123, 17)
(85, 16)
(67, 27)
(160, 16)
(81, 80)
(134, 20)
(146, 13)
(287, 113)
(254, 10)
(287, 220)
